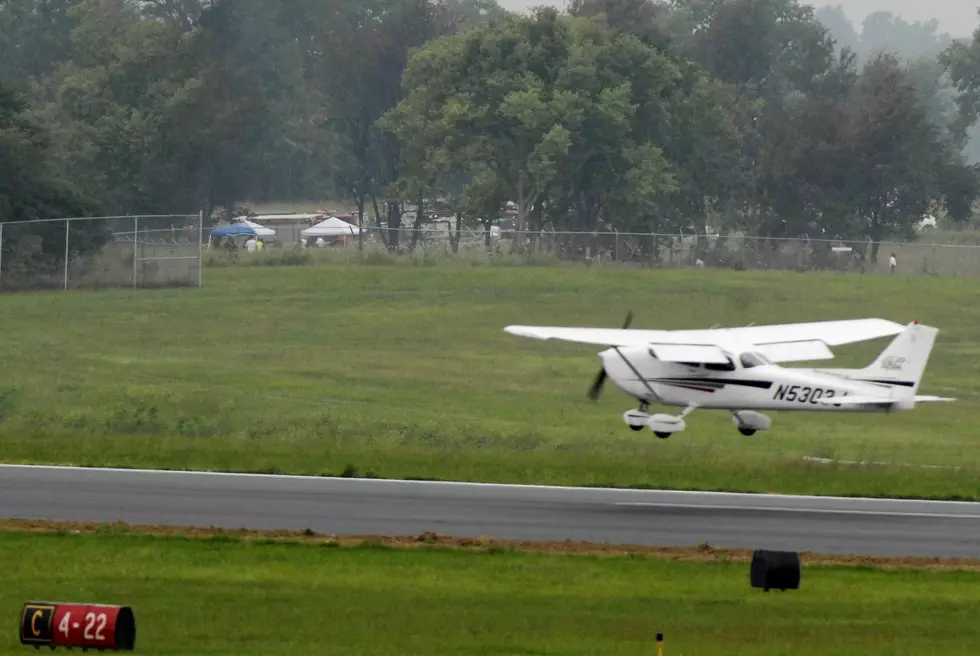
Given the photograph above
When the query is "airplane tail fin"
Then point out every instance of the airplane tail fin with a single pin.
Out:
(903, 362)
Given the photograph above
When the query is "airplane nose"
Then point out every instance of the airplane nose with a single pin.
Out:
(608, 359)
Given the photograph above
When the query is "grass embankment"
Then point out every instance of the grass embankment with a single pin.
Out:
(228, 595)
(404, 372)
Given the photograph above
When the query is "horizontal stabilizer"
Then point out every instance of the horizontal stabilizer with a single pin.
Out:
(798, 351)
(932, 399)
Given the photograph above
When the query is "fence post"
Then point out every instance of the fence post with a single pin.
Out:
(616, 253)
(136, 238)
(1, 254)
(200, 248)
(67, 225)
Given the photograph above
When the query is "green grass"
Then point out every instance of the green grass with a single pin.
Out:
(406, 372)
(224, 596)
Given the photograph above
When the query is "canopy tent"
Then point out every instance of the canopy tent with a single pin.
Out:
(259, 229)
(243, 228)
(332, 227)
(233, 230)
(289, 217)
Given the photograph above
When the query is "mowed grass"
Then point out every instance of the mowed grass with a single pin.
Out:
(406, 372)
(199, 596)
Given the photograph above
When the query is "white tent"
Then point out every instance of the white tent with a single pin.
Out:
(332, 227)
(260, 230)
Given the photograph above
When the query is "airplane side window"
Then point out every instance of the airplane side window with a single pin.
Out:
(714, 366)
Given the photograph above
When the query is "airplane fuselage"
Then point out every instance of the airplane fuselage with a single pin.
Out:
(759, 386)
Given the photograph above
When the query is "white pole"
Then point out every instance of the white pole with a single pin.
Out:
(67, 225)
(136, 238)
(200, 245)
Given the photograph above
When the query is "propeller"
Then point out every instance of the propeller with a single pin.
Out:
(600, 379)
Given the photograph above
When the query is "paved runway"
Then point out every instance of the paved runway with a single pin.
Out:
(346, 506)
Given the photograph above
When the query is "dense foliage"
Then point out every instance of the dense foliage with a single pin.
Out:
(756, 116)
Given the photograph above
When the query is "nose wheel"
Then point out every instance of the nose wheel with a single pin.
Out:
(644, 409)
(661, 425)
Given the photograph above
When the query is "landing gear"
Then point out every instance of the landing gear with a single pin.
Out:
(639, 417)
(662, 425)
(748, 422)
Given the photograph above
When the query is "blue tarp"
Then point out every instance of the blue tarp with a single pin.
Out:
(233, 229)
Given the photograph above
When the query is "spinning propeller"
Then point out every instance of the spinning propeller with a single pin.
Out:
(600, 380)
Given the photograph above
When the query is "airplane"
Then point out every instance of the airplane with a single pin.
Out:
(738, 369)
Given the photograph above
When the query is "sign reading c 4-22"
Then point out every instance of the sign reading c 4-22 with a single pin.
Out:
(36, 624)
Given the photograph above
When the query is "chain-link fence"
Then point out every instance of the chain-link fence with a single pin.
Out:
(927, 255)
(94, 252)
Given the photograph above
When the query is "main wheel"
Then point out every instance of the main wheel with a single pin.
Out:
(747, 431)
(636, 428)
(661, 434)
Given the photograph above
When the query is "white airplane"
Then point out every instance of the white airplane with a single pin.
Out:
(735, 369)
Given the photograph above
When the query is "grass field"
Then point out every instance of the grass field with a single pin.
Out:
(405, 372)
(228, 595)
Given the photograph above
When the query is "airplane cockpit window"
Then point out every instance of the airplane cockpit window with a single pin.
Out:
(715, 366)
(750, 360)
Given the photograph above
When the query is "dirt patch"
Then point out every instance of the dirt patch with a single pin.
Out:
(702, 552)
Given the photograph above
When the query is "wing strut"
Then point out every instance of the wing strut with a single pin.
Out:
(641, 378)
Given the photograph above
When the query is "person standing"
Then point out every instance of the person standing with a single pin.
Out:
(892, 263)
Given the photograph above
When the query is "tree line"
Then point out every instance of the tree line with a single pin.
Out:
(754, 116)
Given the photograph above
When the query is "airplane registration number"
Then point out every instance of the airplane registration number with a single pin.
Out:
(801, 394)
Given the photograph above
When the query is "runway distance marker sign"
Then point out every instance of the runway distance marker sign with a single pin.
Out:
(90, 626)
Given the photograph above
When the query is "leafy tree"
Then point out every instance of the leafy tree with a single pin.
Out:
(563, 116)
(31, 189)
(883, 32)
(164, 111)
(766, 52)
(356, 72)
(840, 27)
(962, 61)
(35, 35)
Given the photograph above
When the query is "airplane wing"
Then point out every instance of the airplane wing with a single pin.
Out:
(832, 333)
(670, 346)
(780, 343)
(599, 336)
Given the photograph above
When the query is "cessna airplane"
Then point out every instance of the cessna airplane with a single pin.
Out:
(736, 369)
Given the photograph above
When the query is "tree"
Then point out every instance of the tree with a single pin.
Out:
(164, 114)
(883, 32)
(35, 35)
(840, 27)
(31, 189)
(962, 61)
(357, 70)
(766, 52)
(900, 161)
(578, 124)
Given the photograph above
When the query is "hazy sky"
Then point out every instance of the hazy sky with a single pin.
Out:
(958, 17)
